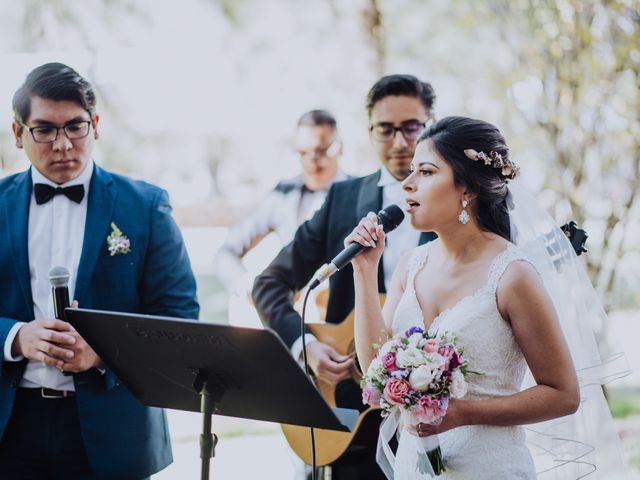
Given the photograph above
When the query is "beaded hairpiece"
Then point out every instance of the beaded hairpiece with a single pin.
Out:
(507, 167)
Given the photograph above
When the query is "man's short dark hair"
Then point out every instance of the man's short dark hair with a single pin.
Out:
(315, 118)
(53, 81)
(401, 85)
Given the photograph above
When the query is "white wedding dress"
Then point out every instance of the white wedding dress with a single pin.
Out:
(476, 452)
(582, 445)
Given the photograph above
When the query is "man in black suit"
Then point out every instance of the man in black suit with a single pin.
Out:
(399, 108)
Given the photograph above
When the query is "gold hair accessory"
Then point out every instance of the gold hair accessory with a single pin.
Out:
(507, 168)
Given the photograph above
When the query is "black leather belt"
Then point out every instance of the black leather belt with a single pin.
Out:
(47, 392)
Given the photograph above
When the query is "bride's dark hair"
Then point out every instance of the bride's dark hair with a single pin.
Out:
(451, 136)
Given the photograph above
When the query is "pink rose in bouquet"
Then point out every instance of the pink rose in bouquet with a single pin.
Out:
(430, 409)
(371, 396)
(389, 362)
(396, 390)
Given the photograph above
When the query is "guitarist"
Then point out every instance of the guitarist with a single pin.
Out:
(399, 107)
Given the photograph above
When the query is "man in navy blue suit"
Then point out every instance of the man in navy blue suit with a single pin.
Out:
(63, 414)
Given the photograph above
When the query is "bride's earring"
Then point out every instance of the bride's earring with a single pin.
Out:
(464, 217)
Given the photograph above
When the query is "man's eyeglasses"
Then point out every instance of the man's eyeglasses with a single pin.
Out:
(319, 153)
(385, 132)
(49, 133)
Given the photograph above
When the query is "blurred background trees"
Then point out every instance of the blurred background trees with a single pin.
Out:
(202, 96)
(576, 81)
(562, 79)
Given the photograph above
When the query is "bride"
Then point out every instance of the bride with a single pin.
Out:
(536, 365)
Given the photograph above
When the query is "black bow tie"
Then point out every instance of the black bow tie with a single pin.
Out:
(45, 192)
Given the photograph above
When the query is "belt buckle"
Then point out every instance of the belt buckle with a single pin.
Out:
(46, 393)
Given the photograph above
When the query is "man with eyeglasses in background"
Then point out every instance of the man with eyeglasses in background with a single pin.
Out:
(63, 413)
(399, 108)
(290, 203)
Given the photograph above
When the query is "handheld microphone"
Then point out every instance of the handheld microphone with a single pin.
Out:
(59, 280)
(389, 218)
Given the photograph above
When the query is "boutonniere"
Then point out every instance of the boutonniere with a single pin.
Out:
(117, 242)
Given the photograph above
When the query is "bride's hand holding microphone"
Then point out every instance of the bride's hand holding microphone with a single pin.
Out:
(324, 360)
(368, 233)
(366, 243)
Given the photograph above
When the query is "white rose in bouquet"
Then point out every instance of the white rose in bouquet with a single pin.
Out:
(458, 387)
(416, 340)
(411, 357)
(385, 348)
(421, 377)
(436, 361)
(375, 365)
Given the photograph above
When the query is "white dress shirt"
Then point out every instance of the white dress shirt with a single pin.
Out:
(55, 237)
(404, 237)
(281, 211)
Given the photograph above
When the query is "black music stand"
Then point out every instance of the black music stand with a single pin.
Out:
(207, 368)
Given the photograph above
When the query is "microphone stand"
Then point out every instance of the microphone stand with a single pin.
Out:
(211, 388)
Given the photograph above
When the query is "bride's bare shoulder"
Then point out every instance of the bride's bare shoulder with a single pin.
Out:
(519, 274)
(520, 283)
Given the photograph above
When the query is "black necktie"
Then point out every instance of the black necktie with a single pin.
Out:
(45, 192)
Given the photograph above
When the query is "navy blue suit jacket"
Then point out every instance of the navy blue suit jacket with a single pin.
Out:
(123, 439)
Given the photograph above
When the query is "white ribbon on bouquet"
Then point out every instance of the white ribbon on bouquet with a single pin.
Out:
(410, 460)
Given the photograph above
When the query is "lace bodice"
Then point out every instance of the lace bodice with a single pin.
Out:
(491, 349)
(487, 339)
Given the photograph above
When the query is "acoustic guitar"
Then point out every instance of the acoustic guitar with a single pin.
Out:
(331, 446)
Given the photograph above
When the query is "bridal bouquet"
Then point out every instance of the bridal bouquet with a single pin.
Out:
(417, 373)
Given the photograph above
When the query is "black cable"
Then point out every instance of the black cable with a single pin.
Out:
(308, 370)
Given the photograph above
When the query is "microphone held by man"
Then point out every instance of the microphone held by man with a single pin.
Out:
(59, 280)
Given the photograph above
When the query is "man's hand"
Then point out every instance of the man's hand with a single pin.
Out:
(47, 341)
(328, 364)
(83, 357)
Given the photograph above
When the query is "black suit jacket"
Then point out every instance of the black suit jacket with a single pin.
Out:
(316, 242)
